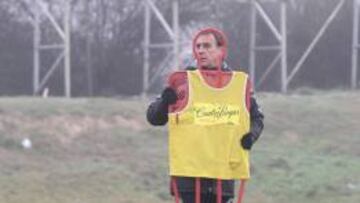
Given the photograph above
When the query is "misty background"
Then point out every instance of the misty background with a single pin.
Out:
(99, 147)
(107, 43)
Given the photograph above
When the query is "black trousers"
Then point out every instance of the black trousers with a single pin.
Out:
(189, 197)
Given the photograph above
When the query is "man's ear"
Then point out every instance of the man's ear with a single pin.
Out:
(223, 53)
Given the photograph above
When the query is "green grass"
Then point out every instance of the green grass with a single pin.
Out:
(102, 150)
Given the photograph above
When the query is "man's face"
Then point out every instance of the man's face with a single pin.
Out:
(207, 52)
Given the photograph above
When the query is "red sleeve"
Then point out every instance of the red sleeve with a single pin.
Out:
(178, 81)
(248, 94)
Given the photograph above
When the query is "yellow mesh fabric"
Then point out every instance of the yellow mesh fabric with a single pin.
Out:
(204, 138)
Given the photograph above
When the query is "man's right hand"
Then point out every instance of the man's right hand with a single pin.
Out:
(168, 96)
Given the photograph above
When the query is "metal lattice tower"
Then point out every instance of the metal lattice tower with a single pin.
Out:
(40, 9)
(280, 35)
(173, 33)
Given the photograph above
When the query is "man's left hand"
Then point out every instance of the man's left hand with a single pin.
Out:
(247, 141)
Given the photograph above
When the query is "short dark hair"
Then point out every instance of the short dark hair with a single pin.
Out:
(219, 37)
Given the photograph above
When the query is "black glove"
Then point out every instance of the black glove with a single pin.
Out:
(168, 96)
(247, 141)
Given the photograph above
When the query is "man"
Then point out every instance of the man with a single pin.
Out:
(209, 106)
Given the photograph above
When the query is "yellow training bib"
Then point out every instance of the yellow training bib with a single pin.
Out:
(204, 138)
